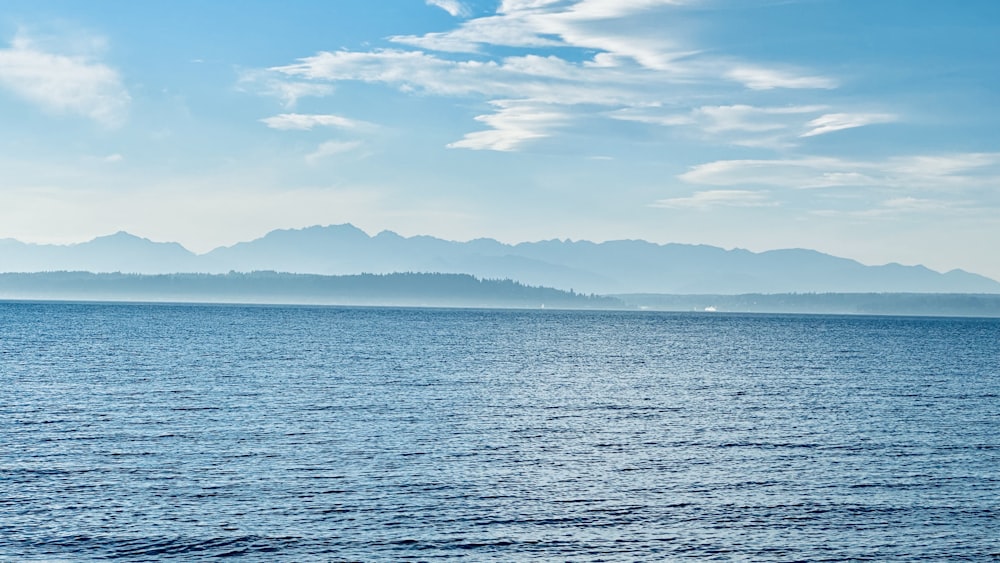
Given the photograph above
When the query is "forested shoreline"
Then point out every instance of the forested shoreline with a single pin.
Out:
(413, 289)
(459, 290)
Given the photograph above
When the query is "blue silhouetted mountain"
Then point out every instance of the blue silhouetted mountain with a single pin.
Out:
(619, 267)
(315, 250)
(120, 252)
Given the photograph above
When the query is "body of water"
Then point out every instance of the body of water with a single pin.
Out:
(154, 432)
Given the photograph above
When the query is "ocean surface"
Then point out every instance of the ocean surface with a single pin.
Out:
(143, 432)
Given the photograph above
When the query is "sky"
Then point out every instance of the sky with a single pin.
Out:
(868, 130)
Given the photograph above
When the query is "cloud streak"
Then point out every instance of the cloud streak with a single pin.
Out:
(64, 84)
(759, 78)
(305, 122)
(331, 148)
(898, 207)
(274, 85)
(839, 121)
(453, 7)
(718, 198)
(922, 172)
(755, 126)
(514, 124)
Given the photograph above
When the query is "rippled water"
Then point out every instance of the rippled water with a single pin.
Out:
(151, 432)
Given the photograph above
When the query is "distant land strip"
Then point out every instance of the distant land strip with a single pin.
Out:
(404, 289)
(459, 290)
(901, 304)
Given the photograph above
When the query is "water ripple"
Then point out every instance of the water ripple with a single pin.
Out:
(157, 432)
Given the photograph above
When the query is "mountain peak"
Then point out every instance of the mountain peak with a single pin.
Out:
(120, 235)
(124, 238)
(389, 235)
(345, 230)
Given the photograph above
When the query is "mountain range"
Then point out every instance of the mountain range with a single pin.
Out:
(613, 267)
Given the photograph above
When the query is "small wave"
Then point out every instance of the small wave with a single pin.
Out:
(155, 547)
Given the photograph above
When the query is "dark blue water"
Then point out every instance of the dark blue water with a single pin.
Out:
(153, 432)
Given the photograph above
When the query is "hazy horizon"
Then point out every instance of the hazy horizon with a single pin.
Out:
(419, 235)
(624, 266)
(861, 130)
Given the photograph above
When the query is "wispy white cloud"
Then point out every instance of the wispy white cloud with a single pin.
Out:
(278, 86)
(606, 9)
(548, 79)
(624, 59)
(60, 83)
(718, 198)
(474, 34)
(536, 81)
(304, 122)
(839, 121)
(782, 173)
(755, 126)
(331, 148)
(935, 172)
(630, 61)
(760, 78)
(945, 164)
(453, 7)
(512, 125)
(738, 125)
(745, 118)
(586, 24)
(914, 204)
(902, 206)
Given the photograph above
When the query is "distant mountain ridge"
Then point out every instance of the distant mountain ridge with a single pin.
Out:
(622, 266)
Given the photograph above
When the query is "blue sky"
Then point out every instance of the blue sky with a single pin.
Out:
(864, 129)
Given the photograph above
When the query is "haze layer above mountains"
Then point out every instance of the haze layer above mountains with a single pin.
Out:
(614, 267)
